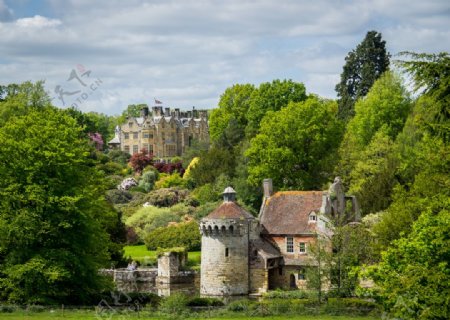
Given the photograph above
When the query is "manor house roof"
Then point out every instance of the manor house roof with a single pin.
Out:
(287, 212)
(229, 210)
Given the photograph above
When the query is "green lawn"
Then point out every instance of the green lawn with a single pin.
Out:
(91, 314)
(146, 257)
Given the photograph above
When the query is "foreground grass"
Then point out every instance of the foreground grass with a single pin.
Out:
(146, 257)
(91, 314)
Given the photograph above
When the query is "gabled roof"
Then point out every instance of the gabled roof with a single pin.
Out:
(287, 213)
(229, 210)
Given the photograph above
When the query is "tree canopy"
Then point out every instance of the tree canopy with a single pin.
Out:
(363, 66)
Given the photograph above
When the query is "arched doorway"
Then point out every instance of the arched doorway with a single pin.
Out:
(292, 282)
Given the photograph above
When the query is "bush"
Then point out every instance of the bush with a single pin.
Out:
(146, 219)
(127, 184)
(287, 294)
(148, 179)
(243, 305)
(174, 305)
(181, 235)
(167, 197)
(140, 160)
(112, 181)
(119, 156)
(110, 168)
(168, 181)
(7, 308)
(118, 196)
(204, 302)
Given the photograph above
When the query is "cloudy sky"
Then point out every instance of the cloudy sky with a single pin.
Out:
(104, 55)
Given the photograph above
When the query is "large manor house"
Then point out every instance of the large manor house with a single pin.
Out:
(243, 255)
(165, 133)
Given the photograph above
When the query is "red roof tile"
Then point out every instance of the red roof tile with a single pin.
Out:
(288, 212)
(229, 210)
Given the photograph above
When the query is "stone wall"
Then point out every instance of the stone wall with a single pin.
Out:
(225, 266)
(259, 280)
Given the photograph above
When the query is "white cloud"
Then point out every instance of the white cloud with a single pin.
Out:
(37, 22)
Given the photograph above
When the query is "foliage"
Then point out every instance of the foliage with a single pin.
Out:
(212, 164)
(363, 66)
(204, 302)
(234, 103)
(148, 218)
(296, 151)
(185, 234)
(431, 74)
(119, 156)
(170, 168)
(167, 197)
(53, 220)
(118, 196)
(148, 179)
(175, 305)
(192, 164)
(271, 96)
(414, 274)
(140, 160)
(170, 181)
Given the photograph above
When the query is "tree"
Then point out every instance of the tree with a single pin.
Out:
(53, 219)
(234, 106)
(414, 274)
(272, 96)
(386, 107)
(296, 145)
(140, 160)
(362, 67)
(431, 74)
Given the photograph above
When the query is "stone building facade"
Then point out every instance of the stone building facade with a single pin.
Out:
(165, 133)
(242, 254)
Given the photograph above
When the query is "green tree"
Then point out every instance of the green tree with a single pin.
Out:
(386, 107)
(431, 75)
(363, 66)
(53, 218)
(414, 274)
(296, 145)
(272, 96)
(234, 106)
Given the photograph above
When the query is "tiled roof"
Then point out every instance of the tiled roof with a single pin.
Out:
(288, 212)
(229, 210)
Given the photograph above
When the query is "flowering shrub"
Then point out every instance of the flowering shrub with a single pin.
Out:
(127, 183)
(170, 167)
(140, 160)
(97, 139)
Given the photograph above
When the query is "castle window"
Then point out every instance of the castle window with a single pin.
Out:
(126, 135)
(302, 247)
(227, 252)
(231, 229)
(280, 271)
(289, 244)
(135, 135)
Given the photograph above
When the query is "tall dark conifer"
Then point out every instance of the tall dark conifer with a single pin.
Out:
(363, 66)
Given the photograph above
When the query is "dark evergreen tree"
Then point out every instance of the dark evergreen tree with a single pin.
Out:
(362, 67)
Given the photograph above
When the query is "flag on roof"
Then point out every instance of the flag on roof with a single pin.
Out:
(157, 101)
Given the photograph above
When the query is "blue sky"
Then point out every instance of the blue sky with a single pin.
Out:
(187, 52)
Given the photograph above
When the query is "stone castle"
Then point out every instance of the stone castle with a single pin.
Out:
(243, 255)
(165, 133)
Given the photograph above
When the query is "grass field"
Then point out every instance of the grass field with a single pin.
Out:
(146, 257)
(91, 314)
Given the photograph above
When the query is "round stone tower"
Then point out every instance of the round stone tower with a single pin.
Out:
(225, 242)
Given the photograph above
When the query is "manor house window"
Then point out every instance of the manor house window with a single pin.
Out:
(126, 149)
(126, 135)
(289, 244)
(146, 135)
(135, 149)
(135, 135)
(302, 247)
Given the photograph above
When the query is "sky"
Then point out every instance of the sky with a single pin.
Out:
(106, 54)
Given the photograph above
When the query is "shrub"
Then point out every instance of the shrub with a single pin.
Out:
(112, 181)
(118, 196)
(147, 219)
(174, 305)
(181, 235)
(168, 181)
(204, 302)
(110, 168)
(167, 197)
(140, 160)
(127, 184)
(287, 294)
(148, 179)
(119, 156)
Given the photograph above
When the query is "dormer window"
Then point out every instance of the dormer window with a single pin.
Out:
(312, 217)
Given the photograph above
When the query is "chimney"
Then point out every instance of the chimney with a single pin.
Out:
(177, 113)
(144, 112)
(268, 188)
(167, 112)
(189, 114)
